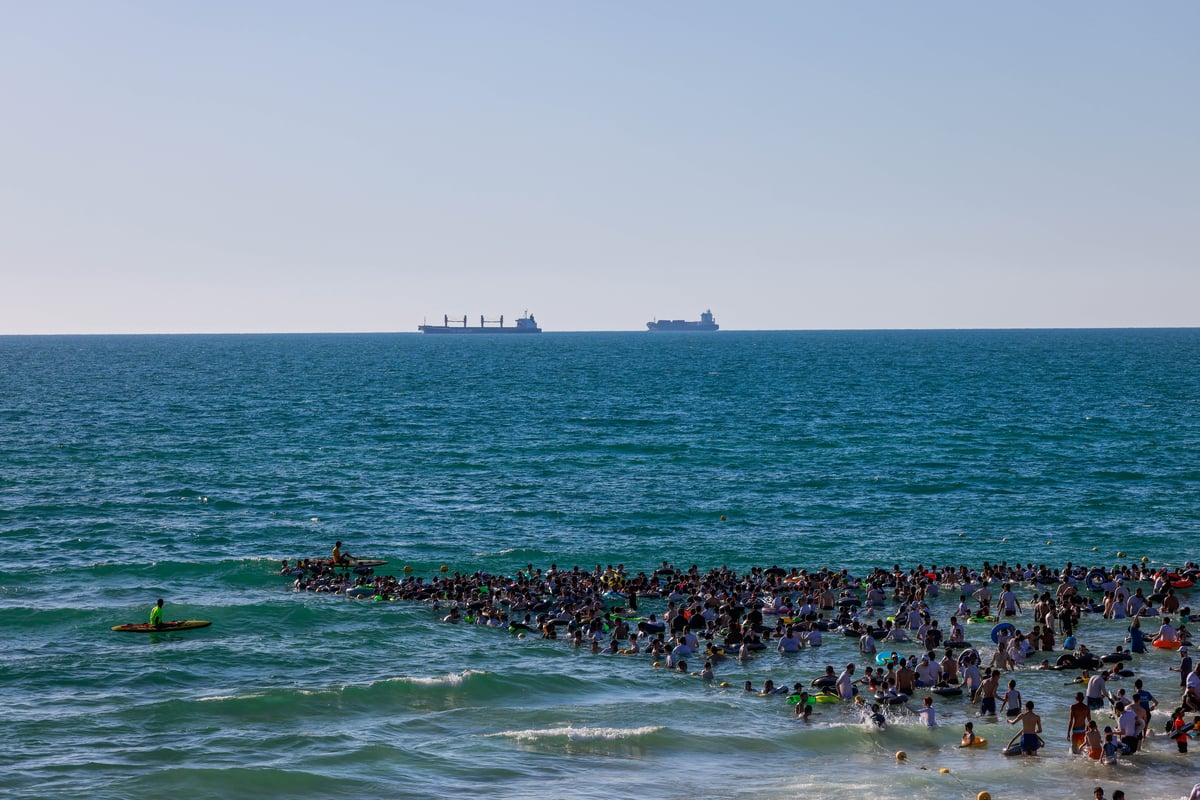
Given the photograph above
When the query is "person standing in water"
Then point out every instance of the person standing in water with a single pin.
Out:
(1077, 723)
(1031, 726)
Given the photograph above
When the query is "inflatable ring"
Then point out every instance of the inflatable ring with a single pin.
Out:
(1183, 584)
(1167, 645)
(948, 691)
(824, 682)
(824, 698)
(1095, 580)
(1001, 628)
(883, 658)
(1014, 746)
(979, 742)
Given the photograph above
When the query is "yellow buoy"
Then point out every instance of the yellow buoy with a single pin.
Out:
(944, 771)
(1049, 542)
(1005, 539)
(724, 684)
(962, 534)
(407, 568)
(445, 568)
(983, 796)
(722, 518)
(901, 755)
(1095, 549)
(1145, 559)
(1120, 554)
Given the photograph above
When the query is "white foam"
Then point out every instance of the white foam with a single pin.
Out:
(451, 679)
(579, 734)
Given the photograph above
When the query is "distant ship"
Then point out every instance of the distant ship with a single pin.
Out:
(706, 323)
(525, 324)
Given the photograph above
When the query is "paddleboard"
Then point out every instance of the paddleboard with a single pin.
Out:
(353, 562)
(174, 625)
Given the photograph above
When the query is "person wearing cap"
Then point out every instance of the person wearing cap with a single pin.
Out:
(1185, 666)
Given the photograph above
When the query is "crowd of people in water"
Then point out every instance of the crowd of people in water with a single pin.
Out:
(707, 617)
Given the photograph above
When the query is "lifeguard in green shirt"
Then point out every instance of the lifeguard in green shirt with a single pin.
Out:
(156, 614)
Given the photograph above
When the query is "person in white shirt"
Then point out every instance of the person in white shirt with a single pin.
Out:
(926, 711)
(789, 642)
(845, 683)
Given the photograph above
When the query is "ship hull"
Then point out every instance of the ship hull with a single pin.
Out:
(452, 330)
(689, 327)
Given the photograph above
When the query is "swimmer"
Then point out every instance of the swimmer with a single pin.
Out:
(968, 737)
(1078, 717)
(1031, 726)
(1093, 741)
(927, 711)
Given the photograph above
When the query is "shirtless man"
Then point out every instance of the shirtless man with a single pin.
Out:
(1031, 726)
(1078, 717)
(987, 693)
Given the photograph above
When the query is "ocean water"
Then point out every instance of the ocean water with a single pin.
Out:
(187, 466)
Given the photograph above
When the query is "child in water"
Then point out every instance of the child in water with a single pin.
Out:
(968, 737)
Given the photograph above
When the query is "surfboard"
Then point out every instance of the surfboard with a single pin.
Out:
(174, 625)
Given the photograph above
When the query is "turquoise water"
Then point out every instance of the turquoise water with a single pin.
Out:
(186, 466)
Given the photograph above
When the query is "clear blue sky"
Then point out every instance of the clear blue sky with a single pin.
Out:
(359, 166)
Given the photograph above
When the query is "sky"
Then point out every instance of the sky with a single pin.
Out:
(195, 167)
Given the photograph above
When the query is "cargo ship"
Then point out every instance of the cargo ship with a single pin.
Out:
(706, 323)
(525, 324)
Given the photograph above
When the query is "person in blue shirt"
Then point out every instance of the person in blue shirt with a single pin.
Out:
(1143, 697)
(1137, 640)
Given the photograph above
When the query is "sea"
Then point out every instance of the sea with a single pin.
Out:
(187, 466)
